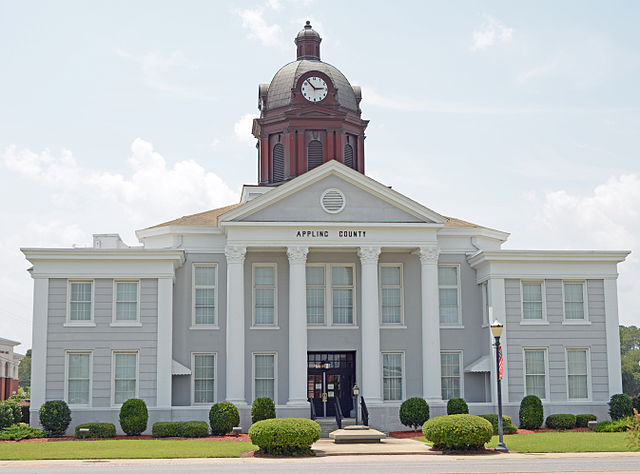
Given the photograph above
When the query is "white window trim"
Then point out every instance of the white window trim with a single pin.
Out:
(115, 322)
(329, 278)
(546, 369)
(484, 288)
(275, 374)
(273, 325)
(404, 376)
(113, 373)
(585, 305)
(534, 322)
(458, 286)
(324, 287)
(193, 296)
(381, 286)
(66, 377)
(566, 359)
(460, 369)
(193, 377)
(89, 323)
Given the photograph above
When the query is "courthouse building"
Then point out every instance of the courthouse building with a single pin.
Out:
(319, 278)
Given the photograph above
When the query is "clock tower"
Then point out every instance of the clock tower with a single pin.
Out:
(309, 114)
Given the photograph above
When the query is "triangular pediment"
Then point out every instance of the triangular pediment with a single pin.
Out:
(364, 199)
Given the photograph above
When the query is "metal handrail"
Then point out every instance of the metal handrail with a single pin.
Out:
(339, 416)
(364, 411)
(313, 409)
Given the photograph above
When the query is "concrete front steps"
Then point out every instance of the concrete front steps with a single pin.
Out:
(329, 424)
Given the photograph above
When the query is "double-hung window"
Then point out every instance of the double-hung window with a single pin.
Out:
(450, 375)
(264, 371)
(392, 375)
(574, 309)
(204, 368)
(204, 294)
(391, 293)
(535, 371)
(577, 374)
(125, 376)
(342, 294)
(316, 288)
(264, 294)
(532, 301)
(78, 378)
(449, 289)
(126, 302)
(80, 301)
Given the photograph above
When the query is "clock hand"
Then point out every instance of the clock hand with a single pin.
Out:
(307, 81)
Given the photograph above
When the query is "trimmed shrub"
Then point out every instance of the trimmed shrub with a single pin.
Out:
(458, 432)
(457, 406)
(620, 406)
(180, 429)
(98, 430)
(55, 417)
(223, 416)
(612, 426)
(561, 421)
(531, 413)
(262, 409)
(414, 412)
(16, 409)
(6, 416)
(285, 436)
(507, 426)
(134, 416)
(582, 421)
(635, 401)
(19, 431)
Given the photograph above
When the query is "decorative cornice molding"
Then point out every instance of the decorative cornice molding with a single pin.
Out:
(235, 253)
(428, 255)
(297, 255)
(369, 255)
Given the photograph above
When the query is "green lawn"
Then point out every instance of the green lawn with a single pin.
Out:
(569, 442)
(119, 449)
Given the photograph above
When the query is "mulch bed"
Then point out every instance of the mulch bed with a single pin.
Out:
(406, 434)
(241, 437)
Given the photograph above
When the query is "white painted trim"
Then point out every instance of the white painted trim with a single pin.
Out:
(84, 322)
(39, 342)
(164, 348)
(114, 313)
(566, 372)
(275, 294)
(400, 323)
(484, 288)
(325, 192)
(354, 299)
(460, 353)
(66, 377)
(113, 373)
(546, 370)
(195, 325)
(458, 287)
(614, 371)
(585, 303)
(509, 255)
(404, 376)
(324, 323)
(543, 294)
(193, 378)
(275, 373)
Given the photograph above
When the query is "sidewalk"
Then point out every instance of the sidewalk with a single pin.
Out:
(326, 447)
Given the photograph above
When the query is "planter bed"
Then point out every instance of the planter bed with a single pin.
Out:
(241, 437)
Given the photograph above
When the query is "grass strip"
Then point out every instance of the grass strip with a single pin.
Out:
(123, 449)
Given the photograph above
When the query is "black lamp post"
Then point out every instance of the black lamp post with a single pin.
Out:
(356, 394)
(496, 331)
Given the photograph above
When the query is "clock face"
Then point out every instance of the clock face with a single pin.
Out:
(314, 89)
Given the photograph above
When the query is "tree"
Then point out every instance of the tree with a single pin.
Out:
(629, 358)
(629, 339)
(24, 371)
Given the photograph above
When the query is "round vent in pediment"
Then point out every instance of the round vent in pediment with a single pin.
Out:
(332, 201)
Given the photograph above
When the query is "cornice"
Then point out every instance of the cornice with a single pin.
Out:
(563, 256)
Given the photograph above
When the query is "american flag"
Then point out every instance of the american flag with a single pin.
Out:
(500, 363)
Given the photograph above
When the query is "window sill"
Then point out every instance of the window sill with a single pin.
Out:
(452, 327)
(576, 323)
(210, 327)
(393, 326)
(542, 322)
(333, 327)
(126, 325)
(579, 400)
(88, 324)
(265, 327)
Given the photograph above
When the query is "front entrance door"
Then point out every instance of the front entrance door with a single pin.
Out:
(330, 377)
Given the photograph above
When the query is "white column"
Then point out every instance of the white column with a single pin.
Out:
(370, 326)
(235, 324)
(497, 311)
(165, 342)
(431, 380)
(39, 343)
(613, 335)
(297, 325)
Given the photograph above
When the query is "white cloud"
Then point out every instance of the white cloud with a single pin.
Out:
(243, 128)
(253, 20)
(490, 33)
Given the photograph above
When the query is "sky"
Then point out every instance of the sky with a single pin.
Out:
(520, 116)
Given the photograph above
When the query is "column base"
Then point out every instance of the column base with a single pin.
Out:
(298, 403)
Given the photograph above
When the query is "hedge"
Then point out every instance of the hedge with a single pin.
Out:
(16, 409)
(635, 401)
(414, 412)
(55, 417)
(457, 406)
(180, 429)
(620, 406)
(98, 430)
(507, 426)
(134, 416)
(531, 413)
(223, 416)
(262, 409)
(285, 436)
(458, 432)
(582, 421)
(19, 431)
(6, 416)
(561, 421)
(612, 426)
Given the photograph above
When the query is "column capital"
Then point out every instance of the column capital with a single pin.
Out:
(369, 255)
(428, 254)
(235, 253)
(297, 255)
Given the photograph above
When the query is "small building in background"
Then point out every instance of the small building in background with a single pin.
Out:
(9, 362)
